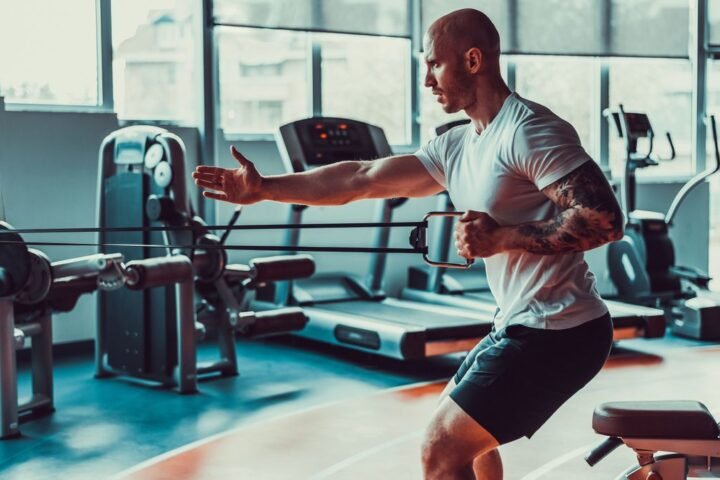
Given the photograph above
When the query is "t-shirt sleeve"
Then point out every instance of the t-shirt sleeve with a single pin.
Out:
(432, 155)
(545, 150)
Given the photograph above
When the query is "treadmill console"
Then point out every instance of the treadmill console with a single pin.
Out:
(318, 141)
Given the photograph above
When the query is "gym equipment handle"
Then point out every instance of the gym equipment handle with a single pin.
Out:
(83, 266)
(157, 272)
(273, 322)
(602, 450)
(420, 237)
(282, 267)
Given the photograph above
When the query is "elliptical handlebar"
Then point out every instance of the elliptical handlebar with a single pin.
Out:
(232, 222)
(673, 153)
(697, 179)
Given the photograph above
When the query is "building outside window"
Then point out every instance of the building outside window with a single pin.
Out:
(154, 60)
(261, 67)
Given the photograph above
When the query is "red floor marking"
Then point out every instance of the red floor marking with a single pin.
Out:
(379, 436)
(306, 444)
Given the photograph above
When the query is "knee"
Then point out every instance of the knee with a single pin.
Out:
(435, 458)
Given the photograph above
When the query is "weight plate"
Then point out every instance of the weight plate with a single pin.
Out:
(163, 175)
(38, 285)
(14, 262)
(154, 155)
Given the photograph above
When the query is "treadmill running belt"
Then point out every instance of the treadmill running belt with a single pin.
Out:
(437, 325)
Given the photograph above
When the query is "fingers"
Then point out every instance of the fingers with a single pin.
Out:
(206, 177)
(470, 215)
(207, 169)
(239, 157)
(462, 251)
(215, 196)
(209, 184)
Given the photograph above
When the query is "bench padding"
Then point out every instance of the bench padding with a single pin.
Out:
(661, 419)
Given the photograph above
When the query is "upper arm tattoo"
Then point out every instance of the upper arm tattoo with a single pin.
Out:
(590, 215)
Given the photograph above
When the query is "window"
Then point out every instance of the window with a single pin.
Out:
(496, 10)
(154, 60)
(565, 85)
(358, 83)
(559, 26)
(270, 87)
(373, 17)
(650, 27)
(363, 47)
(48, 52)
(273, 66)
(661, 88)
(653, 28)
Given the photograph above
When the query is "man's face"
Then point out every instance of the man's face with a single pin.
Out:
(446, 76)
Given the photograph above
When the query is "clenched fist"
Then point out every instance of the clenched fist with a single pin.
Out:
(241, 185)
(477, 235)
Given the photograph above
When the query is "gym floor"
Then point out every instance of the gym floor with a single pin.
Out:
(305, 410)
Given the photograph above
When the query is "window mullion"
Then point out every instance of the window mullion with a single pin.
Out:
(416, 37)
(698, 56)
(105, 55)
(602, 98)
(316, 76)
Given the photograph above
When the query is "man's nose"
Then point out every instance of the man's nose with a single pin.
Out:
(429, 79)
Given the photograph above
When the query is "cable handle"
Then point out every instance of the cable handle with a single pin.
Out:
(418, 239)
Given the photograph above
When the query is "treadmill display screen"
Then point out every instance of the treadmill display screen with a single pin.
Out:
(327, 141)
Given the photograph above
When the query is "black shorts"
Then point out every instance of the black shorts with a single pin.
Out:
(515, 379)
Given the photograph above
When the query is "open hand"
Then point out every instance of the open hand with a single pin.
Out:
(241, 185)
(477, 235)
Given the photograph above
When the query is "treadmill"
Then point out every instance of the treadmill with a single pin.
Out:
(344, 310)
(469, 289)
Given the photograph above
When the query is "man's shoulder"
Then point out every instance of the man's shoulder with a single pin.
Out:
(530, 113)
(457, 132)
(453, 138)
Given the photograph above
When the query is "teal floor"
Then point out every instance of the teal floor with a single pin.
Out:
(102, 427)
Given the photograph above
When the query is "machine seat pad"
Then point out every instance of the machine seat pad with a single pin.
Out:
(682, 419)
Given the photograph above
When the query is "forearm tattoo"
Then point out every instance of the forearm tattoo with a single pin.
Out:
(590, 215)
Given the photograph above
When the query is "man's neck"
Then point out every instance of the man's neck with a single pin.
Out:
(489, 101)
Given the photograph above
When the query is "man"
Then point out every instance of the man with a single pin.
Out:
(534, 201)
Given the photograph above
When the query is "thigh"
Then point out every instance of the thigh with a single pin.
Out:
(516, 384)
(485, 343)
(491, 391)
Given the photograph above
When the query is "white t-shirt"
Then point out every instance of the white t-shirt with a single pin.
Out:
(502, 171)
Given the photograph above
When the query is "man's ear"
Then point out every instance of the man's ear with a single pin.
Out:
(473, 60)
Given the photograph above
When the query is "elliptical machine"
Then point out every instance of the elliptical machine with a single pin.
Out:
(642, 264)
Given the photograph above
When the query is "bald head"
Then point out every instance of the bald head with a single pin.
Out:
(464, 29)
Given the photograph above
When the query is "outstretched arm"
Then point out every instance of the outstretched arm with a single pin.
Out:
(337, 184)
(589, 217)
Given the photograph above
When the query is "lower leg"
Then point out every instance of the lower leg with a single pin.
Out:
(488, 466)
(485, 467)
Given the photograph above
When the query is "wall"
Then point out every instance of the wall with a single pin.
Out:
(48, 175)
